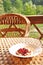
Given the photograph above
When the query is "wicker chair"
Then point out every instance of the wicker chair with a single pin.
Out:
(13, 20)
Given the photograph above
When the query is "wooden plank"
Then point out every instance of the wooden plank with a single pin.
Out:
(36, 19)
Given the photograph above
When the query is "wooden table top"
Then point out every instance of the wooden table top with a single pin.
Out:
(7, 59)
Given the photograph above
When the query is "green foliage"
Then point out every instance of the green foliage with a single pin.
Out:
(29, 8)
(19, 5)
(39, 9)
(14, 10)
(38, 2)
(26, 7)
(13, 2)
(7, 5)
(1, 7)
(24, 1)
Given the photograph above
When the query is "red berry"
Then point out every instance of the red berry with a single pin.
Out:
(23, 51)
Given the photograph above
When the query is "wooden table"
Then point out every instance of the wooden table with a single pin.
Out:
(36, 19)
(7, 59)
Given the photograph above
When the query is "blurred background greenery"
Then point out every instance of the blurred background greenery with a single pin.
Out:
(26, 7)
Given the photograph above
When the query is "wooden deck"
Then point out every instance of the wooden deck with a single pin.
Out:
(7, 59)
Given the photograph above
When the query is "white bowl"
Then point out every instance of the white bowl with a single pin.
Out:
(35, 50)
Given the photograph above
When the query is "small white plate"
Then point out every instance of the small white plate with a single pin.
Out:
(35, 50)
